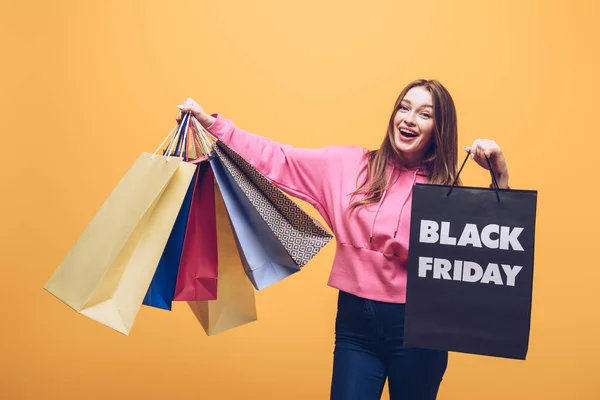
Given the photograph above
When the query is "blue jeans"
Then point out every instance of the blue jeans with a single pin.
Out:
(369, 348)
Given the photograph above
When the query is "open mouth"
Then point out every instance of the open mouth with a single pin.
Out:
(407, 133)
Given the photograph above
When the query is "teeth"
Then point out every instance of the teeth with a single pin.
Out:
(408, 132)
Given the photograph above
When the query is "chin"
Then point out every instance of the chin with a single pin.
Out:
(403, 147)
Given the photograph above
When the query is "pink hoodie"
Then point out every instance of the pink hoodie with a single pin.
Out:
(371, 242)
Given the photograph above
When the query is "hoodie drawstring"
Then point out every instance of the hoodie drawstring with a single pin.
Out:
(405, 201)
(379, 207)
(401, 208)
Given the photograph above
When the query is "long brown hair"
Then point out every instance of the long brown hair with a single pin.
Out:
(439, 161)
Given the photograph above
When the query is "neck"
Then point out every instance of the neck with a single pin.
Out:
(412, 160)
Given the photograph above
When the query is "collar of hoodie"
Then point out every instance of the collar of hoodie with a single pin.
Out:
(396, 171)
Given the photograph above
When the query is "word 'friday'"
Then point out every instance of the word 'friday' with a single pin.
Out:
(468, 271)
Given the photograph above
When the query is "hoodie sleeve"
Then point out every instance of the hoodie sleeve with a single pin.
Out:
(298, 172)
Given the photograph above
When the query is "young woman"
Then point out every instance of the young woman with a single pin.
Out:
(365, 198)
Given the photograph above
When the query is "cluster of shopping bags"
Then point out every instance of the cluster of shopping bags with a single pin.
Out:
(196, 224)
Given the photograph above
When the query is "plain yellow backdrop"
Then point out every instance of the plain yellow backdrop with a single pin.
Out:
(88, 85)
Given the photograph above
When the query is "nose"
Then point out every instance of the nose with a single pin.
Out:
(410, 118)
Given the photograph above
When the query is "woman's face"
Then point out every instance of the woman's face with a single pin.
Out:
(413, 125)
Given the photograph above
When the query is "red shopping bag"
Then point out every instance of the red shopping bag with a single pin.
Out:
(198, 267)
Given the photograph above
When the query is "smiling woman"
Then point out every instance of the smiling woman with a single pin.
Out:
(370, 266)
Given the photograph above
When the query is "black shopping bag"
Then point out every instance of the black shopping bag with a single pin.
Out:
(470, 269)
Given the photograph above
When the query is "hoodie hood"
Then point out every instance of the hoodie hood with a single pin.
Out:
(396, 171)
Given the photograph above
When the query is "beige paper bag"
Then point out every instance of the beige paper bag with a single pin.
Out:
(107, 272)
(235, 304)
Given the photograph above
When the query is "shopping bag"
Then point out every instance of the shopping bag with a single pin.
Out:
(235, 304)
(107, 272)
(275, 237)
(470, 269)
(264, 258)
(198, 267)
(161, 292)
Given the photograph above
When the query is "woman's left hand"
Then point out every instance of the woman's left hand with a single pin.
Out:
(484, 147)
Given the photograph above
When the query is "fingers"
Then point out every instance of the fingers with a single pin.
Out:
(186, 105)
(482, 148)
(476, 152)
(480, 152)
(190, 106)
(490, 148)
(475, 149)
(487, 152)
(184, 108)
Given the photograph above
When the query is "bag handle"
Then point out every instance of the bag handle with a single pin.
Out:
(180, 143)
(201, 134)
(182, 134)
(494, 181)
(172, 147)
(184, 142)
(163, 142)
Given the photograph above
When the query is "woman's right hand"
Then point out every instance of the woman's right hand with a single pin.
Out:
(189, 105)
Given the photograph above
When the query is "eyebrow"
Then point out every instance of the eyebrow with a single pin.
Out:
(426, 105)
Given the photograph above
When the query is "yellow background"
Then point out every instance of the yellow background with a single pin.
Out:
(88, 85)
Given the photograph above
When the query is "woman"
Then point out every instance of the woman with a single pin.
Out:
(365, 198)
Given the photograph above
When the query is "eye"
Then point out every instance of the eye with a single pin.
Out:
(426, 115)
(402, 107)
